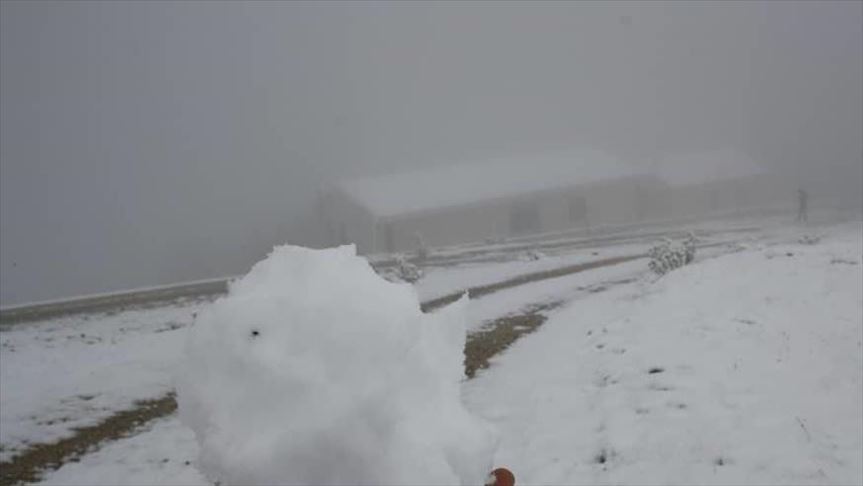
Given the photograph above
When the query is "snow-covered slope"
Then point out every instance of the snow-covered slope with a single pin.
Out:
(74, 371)
(744, 369)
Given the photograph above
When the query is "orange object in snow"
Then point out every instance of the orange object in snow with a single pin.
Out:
(501, 477)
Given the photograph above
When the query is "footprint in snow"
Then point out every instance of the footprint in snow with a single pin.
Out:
(604, 457)
(604, 380)
(722, 461)
(601, 346)
(660, 387)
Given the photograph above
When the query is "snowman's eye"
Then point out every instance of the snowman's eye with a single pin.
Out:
(255, 333)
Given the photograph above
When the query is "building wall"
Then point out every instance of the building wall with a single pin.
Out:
(447, 226)
(347, 222)
(615, 202)
(728, 196)
(629, 201)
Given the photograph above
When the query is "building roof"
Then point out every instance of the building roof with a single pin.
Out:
(403, 193)
(703, 167)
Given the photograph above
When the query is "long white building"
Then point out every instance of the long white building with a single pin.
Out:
(543, 193)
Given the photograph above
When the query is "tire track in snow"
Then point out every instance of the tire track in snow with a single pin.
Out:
(497, 335)
(27, 466)
(481, 290)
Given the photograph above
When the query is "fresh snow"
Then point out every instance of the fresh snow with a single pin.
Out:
(143, 460)
(445, 280)
(315, 370)
(758, 375)
(74, 371)
(162, 454)
(743, 369)
(560, 289)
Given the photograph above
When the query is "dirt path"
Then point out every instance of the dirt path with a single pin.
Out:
(479, 291)
(27, 466)
(484, 344)
(111, 304)
(499, 334)
(479, 348)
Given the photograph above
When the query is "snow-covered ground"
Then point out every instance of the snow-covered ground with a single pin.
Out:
(743, 369)
(759, 353)
(565, 242)
(74, 371)
(162, 454)
(444, 280)
(69, 372)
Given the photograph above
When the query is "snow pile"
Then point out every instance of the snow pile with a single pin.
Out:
(315, 370)
(668, 255)
(407, 271)
(532, 255)
(402, 270)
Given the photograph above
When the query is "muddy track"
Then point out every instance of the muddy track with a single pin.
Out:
(27, 466)
(479, 348)
(479, 291)
(487, 254)
(112, 304)
(499, 334)
(495, 337)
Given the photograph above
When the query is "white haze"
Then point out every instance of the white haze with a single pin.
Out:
(155, 142)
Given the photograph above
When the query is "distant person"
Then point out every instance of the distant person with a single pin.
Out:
(802, 203)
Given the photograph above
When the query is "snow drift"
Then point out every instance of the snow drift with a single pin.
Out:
(315, 370)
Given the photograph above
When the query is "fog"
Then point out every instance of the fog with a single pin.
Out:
(156, 142)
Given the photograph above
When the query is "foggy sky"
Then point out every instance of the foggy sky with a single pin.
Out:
(148, 143)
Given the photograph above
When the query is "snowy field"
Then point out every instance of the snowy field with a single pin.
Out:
(128, 356)
(744, 368)
(441, 281)
(92, 365)
(74, 371)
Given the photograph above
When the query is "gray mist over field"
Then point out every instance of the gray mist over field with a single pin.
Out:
(157, 142)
